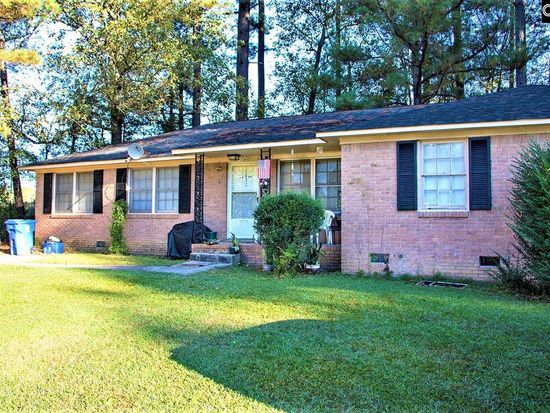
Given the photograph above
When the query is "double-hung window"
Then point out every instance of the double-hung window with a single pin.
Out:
(141, 190)
(295, 176)
(167, 190)
(154, 190)
(443, 175)
(327, 182)
(64, 193)
(74, 192)
(84, 192)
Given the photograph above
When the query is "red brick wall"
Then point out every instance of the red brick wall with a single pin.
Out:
(419, 245)
(253, 254)
(145, 233)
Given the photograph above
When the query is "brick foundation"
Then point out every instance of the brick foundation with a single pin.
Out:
(253, 254)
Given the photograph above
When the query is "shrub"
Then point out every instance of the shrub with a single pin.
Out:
(116, 229)
(530, 198)
(286, 223)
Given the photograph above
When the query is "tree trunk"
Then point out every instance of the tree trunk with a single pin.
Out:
(171, 123)
(316, 65)
(457, 53)
(243, 40)
(511, 42)
(117, 122)
(10, 138)
(261, 59)
(197, 79)
(416, 73)
(337, 46)
(181, 113)
(521, 51)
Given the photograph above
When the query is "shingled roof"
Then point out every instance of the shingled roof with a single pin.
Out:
(528, 102)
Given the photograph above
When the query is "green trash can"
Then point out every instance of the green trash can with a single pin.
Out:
(21, 232)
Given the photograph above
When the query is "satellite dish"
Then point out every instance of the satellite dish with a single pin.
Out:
(135, 151)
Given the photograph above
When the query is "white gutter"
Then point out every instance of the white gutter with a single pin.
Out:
(313, 141)
(429, 128)
(99, 163)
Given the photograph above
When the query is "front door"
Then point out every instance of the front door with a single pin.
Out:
(242, 199)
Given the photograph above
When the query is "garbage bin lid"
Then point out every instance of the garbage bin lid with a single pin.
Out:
(20, 221)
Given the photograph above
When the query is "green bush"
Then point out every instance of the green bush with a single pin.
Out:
(118, 219)
(530, 198)
(286, 223)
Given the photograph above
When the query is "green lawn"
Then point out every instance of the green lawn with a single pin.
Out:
(87, 258)
(234, 340)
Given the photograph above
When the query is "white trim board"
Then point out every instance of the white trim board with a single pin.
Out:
(258, 145)
(430, 128)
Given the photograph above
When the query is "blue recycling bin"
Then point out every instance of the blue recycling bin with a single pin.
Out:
(53, 247)
(21, 233)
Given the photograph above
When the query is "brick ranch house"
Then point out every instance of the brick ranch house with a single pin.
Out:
(427, 184)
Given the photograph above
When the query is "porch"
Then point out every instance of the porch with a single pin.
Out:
(252, 254)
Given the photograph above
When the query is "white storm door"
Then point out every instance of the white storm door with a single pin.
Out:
(242, 200)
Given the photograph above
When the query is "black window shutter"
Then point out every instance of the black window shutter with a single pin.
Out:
(121, 184)
(184, 200)
(47, 196)
(406, 176)
(480, 173)
(98, 192)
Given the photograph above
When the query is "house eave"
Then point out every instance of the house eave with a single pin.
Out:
(112, 162)
(258, 145)
(435, 128)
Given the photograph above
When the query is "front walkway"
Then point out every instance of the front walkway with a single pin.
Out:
(185, 268)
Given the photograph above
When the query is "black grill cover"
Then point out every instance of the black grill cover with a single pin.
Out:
(180, 238)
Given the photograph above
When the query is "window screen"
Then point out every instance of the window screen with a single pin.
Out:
(141, 190)
(327, 182)
(295, 176)
(64, 193)
(167, 192)
(84, 192)
(443, 176)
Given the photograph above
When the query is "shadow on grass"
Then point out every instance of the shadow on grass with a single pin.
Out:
(317, 365)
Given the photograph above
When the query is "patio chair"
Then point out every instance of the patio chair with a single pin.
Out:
(329, 216)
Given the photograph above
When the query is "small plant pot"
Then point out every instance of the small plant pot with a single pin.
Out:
(234, 250)
(312, 268)
(211, 237)
(268, 267)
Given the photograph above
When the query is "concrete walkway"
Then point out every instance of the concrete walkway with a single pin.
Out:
(185, 268)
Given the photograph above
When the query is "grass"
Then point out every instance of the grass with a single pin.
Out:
(233, 340)
(88, 258)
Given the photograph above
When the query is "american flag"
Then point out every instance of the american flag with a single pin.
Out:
(264, 168)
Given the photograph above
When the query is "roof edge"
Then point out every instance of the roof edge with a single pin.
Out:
(430, 128)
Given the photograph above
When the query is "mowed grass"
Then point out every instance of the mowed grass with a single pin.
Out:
(234, 340)
(88, 258)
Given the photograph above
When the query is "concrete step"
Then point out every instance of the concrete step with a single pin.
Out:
(231, 259)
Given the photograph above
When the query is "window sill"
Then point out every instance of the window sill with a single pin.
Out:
(443, 214)
(72, 216)
(171, 215)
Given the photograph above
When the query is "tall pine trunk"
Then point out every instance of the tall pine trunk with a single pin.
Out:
(511, 44)
(181, 112)
(457, 52)
(261, 59)
(117, 123)
(521, 50)
(337, 47)
(315, 72)
(197, 78)
(10, 138)
(243, 40)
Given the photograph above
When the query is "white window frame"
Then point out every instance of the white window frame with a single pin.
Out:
(73, 197)
(153, 190)
(420, 181)
(312, 171)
